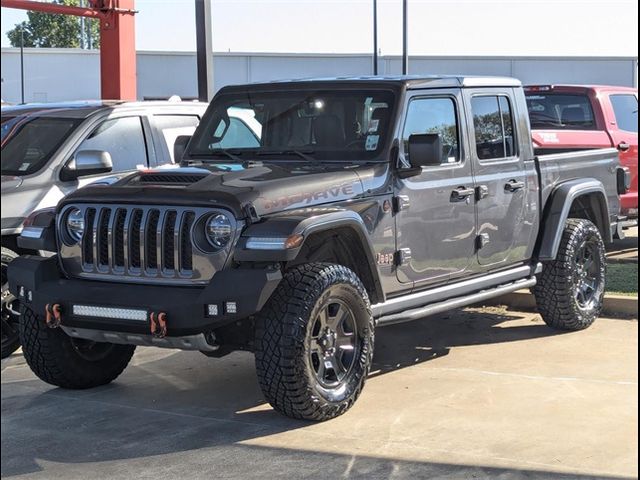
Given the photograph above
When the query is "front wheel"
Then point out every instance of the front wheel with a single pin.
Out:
(314, 342)
(570, 289)
(68, 362)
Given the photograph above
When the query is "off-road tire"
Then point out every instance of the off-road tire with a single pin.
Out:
(10, 335)
(283, 333)
(52, 356)
(558, 284)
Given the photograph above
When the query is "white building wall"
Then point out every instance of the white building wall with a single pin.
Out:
(69, 74)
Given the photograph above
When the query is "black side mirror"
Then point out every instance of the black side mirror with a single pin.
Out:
(425, 150)
(87, 162)
(179, 146)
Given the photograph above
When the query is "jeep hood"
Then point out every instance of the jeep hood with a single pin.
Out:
(267, 188)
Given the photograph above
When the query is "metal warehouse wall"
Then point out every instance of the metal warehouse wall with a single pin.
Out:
(69, 74)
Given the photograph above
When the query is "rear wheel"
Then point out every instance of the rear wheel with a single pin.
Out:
(10, 309)
(69, 362)
(570, 289)
(314, 342)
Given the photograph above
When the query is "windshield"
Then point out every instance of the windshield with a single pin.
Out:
(300, 125)
(29, 142)
(559, 111)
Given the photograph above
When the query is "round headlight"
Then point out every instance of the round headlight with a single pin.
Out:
(218, 230)
(75, 224)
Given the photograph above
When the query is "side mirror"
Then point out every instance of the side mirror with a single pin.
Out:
(87, 162)
(179, 146)
(425, 150)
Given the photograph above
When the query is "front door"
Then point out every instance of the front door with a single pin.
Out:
(623, 128)
(435, 221)
(501, 178)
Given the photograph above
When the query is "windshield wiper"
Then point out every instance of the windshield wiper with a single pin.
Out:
(304, 155)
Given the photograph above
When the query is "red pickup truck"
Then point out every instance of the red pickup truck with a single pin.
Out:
(571, 117)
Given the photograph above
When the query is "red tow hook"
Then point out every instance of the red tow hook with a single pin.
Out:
(53, 315)
(158, 324)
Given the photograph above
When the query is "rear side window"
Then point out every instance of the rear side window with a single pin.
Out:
(557, 111)
(434, 115)
(625, 108)
(123, 138)
(493, 125)
(173, 126)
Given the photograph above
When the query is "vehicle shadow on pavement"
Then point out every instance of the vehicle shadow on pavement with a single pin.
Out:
(169, 402)
(400, 346)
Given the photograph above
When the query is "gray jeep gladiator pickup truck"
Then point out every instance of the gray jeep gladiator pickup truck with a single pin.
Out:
(351, 204)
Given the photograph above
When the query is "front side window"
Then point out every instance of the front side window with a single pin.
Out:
(296, 124)
(433, 115)
(123, 138)
(625, 108)
(493, 125)
(29, 142)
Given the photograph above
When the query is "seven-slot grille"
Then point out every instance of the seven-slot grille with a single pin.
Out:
(139, 241)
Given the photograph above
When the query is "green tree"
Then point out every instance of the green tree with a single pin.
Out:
(55, 31)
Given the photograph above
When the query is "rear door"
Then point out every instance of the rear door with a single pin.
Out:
(501, 178)
(436, 222)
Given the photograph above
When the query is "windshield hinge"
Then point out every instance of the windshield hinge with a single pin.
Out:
(250, 213)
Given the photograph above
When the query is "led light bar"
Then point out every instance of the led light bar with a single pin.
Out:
(110, 312)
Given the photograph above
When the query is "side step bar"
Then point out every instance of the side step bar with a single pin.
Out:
(463, 301)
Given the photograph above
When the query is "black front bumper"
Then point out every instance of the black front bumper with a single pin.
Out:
(37, 281)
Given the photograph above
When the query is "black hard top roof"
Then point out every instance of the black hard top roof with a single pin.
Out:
(393, 81)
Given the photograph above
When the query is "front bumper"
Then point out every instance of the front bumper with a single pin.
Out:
(37, 281)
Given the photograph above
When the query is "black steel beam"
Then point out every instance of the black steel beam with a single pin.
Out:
(405, 39)
(204, 46)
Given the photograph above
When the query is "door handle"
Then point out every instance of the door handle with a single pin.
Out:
(513, 186)
(624, 147)
(462, 193)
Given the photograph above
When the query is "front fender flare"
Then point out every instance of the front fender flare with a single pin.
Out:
(557, 212)
(286, 225)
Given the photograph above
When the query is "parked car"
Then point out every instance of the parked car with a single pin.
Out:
(364, 202)
(566, 118)
(46, 149)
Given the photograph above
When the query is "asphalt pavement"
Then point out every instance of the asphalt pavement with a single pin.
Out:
(475, 393)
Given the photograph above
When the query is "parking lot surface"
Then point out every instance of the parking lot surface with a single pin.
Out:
(475, 393)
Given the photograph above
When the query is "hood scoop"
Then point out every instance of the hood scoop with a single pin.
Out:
(158, 178)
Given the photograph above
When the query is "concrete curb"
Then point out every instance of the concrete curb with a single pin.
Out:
(622, 260)
(614, 305)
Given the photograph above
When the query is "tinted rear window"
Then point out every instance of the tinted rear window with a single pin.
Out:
(557, 111)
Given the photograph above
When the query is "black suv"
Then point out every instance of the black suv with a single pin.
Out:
(306, 214)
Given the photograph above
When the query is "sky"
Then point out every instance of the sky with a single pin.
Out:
(436, 27)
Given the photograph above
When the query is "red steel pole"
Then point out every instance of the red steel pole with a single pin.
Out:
(117, 40)
(118, 53)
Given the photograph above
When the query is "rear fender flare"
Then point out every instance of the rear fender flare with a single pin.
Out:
(559, 207)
